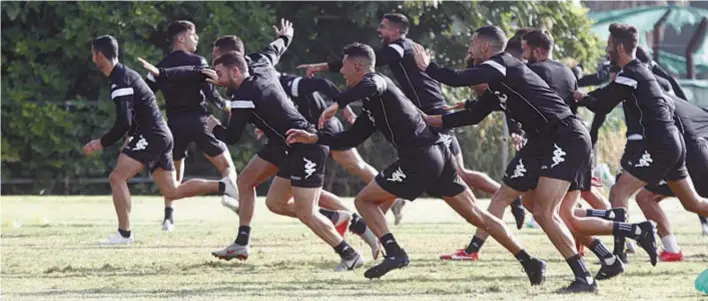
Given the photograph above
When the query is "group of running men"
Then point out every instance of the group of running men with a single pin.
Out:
(539, 96)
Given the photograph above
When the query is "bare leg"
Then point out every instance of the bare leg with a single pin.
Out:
(331, 201)
(688, 196)
(179, 171)
(225, 165)
(126, 168)
(649, 204)
(620, 193)
(354, 164)
(306, 200)
(595, 199)
(279, 198)
(500, 200)
(368, 203)
(464, 205)
(549, 194)
(166, 181)
(475, 179)
(256, 172)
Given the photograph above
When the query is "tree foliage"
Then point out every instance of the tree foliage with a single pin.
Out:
(46, 61)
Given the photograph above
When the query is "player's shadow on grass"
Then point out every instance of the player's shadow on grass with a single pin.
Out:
(231, 291)
(141, 271)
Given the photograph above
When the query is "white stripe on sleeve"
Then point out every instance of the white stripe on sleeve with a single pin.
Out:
(121, 92)
(242, 104)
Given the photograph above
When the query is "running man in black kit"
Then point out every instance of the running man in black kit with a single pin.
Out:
(425, 92)
(694, 121)
(187, 112)
(536, 46)
(425, 163)
(558, 147)
(258, 98)
(149, 142)
(648, 158)
(305, 94)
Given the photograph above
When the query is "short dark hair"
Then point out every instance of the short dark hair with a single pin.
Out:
(359, 50)
(643, 55)
(107, 45)
(231, 59)
(177, 27)
(513, 46)
(539, 38)
(229, 43)
(624, 34)
(522, 31)
(400, 20)
(494, 35)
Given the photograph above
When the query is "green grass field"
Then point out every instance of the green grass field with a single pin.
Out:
(50, 252)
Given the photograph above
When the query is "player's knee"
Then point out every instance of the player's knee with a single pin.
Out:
(360, 203)
(642, 199)
(275, 207)
(353, 166)
(307, 217)
(543, 214)
(171, 194)
(116, 178)
(567, 217)
(245, 183)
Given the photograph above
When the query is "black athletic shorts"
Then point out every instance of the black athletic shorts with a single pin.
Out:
(583, 181)
(304, 165)
(430, 169)
(450, 140)
(662, 158)
(335, 126)
(273, 152)
(191, 127)
(152, 150)
(563, 153)
(697, 166)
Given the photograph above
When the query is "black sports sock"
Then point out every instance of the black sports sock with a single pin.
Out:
(619, 240)
(601, 251)
(517, 202)
(244, 233)
(124, 233)
(222, 188)
(330, 214)
(626, 230)
(580, 271)
(168, 213)
(703, 219)
(390, 245)
(474, 245)
(522, 256)
(357, 225)
(344, 250)
(597, 213)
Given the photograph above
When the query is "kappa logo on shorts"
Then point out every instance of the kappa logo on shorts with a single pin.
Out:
(519, 170)
(309, 167)
(645, 160)
(397, 176)
(141, 144)
(558, 156)
(446, 139)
